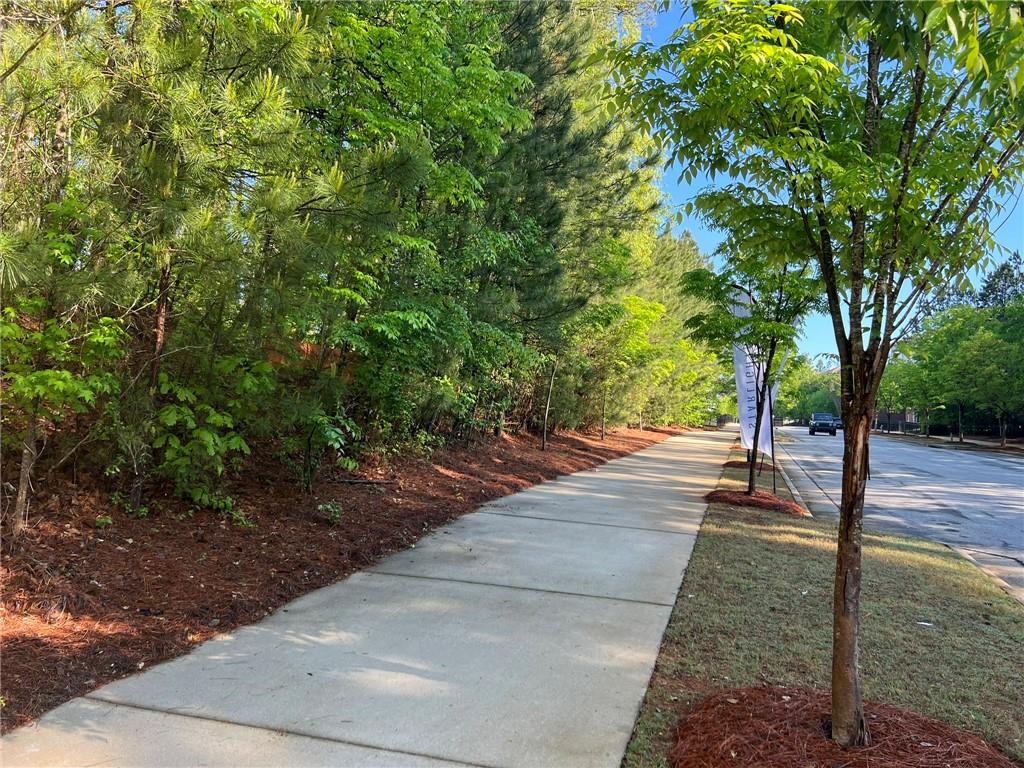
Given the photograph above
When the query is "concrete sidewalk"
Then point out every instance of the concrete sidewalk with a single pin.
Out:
(524, 634)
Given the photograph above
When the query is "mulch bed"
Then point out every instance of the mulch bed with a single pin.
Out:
(777, 727)
(81, 606)
(760, 499)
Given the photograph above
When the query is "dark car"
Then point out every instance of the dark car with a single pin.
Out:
(823, 422)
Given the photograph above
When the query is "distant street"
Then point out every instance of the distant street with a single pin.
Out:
(971, 500)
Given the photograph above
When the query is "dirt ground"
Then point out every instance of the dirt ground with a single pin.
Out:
(82, 605)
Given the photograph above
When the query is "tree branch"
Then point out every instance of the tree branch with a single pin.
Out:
(42, 36)
(940, 120)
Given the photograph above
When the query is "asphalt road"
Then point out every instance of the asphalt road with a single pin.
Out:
(971, 500)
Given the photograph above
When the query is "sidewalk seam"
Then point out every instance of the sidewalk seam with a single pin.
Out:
(301, 734)
(521, 589)
(990, 554)
(582, 522)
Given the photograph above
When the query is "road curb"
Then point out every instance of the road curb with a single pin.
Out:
(946, 445)
(825, 507)
(793, 490)
(823, 504)
(1009, 589)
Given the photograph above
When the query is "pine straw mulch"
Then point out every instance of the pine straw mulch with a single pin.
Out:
(81, 607)
(780, 727)
(760, 499)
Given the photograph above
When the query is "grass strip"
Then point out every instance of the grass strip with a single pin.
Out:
(937, 635)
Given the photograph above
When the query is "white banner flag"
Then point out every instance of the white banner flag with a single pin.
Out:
(749, 378)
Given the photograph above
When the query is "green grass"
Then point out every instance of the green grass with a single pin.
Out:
(755, 607)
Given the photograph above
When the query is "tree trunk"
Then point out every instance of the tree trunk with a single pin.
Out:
(760, 398)
(960, 421)
(752, 471)
(641, 419)
(160, 324)
(848, 725)
(604, 412)
(752, 456)
(547, 405)
(1002, 432)
(28, 458)
(138, 481)
(163, 300)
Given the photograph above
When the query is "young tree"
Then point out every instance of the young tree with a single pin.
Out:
(779, 294)
(936, 348)
(892, 392)
(632, 352)
(1003, 284)
(921, 383)
(993, 368)
(806, 390)
(877, 137)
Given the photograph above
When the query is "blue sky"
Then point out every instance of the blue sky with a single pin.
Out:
(818, 337)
